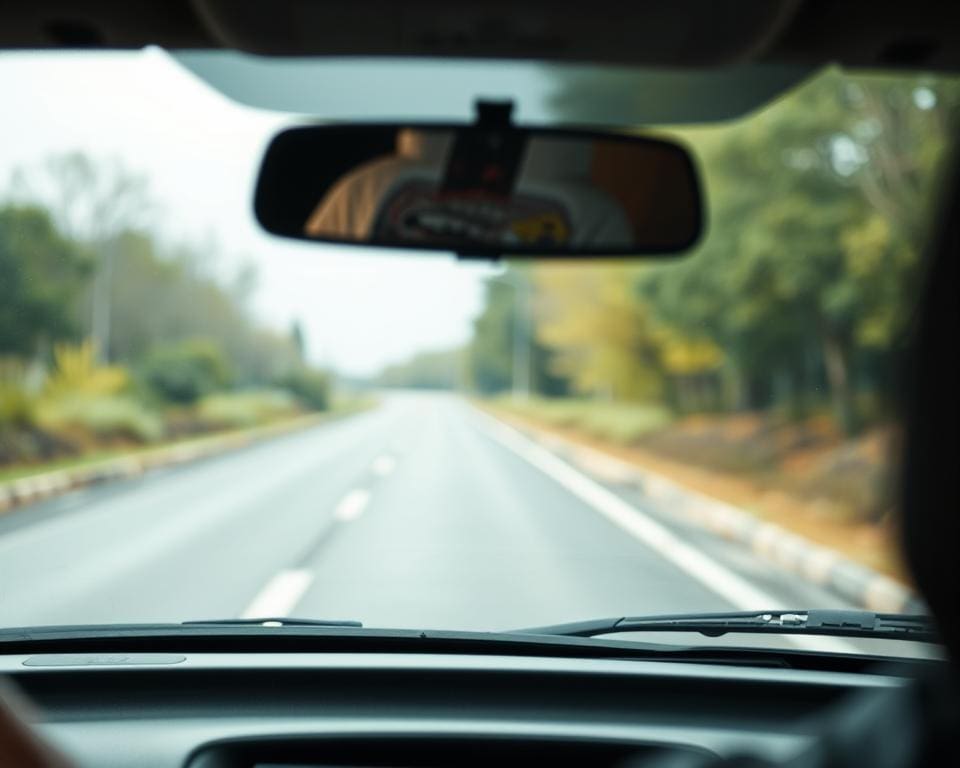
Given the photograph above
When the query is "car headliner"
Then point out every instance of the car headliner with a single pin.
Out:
(701, 60)
(809, 33)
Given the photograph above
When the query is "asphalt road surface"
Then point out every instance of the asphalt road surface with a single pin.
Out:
(421, 513)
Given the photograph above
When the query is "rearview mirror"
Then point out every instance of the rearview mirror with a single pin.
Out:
(487, 190)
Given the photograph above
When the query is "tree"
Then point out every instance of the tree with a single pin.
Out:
(818, 210)
(298, 340)
(492, 356)
(166, 305)
(187, 303)
(94, 202)
(837, 196)
(600, 335)
(42, 274)
(437, 369)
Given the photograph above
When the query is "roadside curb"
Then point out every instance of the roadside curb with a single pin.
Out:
(811, 562)
(46, 485)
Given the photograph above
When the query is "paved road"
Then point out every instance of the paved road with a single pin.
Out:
(420, 513)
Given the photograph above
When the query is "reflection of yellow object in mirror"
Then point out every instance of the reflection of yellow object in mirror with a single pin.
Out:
(545, 228)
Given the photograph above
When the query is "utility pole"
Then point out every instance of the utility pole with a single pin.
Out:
(521, 369)
(522, 337)
(102, 299)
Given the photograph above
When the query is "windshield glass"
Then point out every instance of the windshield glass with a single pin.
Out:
(199, 421)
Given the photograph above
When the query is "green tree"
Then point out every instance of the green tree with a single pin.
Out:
(185, 302)
(600, 336)
(103, 209)
(437, 369)
(819, 207)
(492, 353)
(93, 202)
(42, 274)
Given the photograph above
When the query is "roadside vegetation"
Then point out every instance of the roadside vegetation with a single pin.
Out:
(763, 367)
(111, 340)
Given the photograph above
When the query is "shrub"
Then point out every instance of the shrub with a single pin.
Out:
(105, 418)
(235, 410)
(17, 409)
(310, 386)
(75, 371)
(24, 434)
(622, 423)
(183, 373)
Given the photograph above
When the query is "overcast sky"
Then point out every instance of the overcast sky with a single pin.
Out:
(199, 151)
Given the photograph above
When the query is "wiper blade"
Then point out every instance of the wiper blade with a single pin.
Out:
(284, 621)
(838, 623)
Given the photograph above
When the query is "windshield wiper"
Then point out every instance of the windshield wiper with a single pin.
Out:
(839, 623)
(284, 621)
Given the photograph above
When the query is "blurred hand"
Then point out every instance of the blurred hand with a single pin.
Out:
(20, 747)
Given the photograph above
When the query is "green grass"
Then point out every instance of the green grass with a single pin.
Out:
(621, 423)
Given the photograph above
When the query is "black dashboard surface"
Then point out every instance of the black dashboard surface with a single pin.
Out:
(222, 710)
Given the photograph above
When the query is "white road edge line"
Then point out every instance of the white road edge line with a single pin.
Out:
(704, 569)
(383, 465)
(352, 505)
(280, 595)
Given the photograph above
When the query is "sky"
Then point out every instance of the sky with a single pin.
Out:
(200, 151)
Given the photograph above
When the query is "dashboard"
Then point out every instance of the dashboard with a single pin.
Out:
(265, 710)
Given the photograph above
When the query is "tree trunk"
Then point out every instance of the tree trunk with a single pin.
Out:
(732, 389)
(836, 358)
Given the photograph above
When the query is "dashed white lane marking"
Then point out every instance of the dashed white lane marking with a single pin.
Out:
(704, 569)
(280, 595)
(352, 505)
(384, 465)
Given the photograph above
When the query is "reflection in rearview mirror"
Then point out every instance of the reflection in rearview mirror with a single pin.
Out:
(480, 190)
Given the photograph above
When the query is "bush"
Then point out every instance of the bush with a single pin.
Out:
(17, 407)
(236, 410)
(183, 373)
(101, 419)
(745, 443)
(20, 438)
(17, 410)
(76, 371)
(311, 387)
(622, 423)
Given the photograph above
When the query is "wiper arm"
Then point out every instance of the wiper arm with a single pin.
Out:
(839, 623)
(284, 621)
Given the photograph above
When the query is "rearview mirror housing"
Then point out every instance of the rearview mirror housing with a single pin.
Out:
(489, 189)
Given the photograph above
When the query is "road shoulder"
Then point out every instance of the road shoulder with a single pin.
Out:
(800, 557)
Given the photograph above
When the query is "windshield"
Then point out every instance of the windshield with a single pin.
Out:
(199, 421)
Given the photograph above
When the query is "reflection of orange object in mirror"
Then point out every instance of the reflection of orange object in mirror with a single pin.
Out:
(547, 228)
(648, 198)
